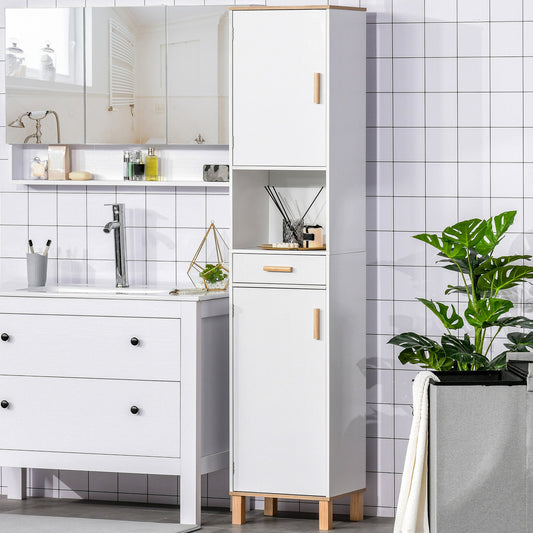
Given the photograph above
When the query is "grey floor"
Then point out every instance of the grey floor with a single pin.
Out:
(213, 520)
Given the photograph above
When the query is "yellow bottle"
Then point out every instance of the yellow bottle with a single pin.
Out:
(151, 166)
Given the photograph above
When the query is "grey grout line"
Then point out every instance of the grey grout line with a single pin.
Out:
(523, 289)
(457, 204)
(425, 168)
(393, 240)
(458, 56)
(490, 108)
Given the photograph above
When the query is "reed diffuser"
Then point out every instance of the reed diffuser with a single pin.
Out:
(292, 228)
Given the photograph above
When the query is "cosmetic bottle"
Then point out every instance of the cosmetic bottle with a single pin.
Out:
(130, 165)
(126, 166)
(138, 167)
(151, 166)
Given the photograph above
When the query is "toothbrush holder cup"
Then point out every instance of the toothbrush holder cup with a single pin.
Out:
(37, 266)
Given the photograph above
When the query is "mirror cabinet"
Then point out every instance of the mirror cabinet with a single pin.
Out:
(117, 75)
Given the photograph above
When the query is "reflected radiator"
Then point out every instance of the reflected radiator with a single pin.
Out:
(121, 66)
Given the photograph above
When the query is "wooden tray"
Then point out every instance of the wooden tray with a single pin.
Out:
(270, 247)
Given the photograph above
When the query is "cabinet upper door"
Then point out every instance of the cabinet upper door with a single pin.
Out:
(280, 377)
(276, 57)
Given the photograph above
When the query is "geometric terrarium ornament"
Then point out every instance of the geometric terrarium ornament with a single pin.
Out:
(212, 275)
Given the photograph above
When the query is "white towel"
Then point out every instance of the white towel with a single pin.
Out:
(412, 511)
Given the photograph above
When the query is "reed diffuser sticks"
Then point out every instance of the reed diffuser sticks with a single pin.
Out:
(278, 202)
(276, 199)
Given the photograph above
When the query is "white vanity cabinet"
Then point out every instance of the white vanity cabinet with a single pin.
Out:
(298, 388)
(121, 384)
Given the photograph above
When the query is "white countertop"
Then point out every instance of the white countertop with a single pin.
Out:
(92, 291)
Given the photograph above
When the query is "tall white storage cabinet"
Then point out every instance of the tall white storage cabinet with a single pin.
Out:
(298, 325)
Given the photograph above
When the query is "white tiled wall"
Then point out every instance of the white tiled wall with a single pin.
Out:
(450, 136)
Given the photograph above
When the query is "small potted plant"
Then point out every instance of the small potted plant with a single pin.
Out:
(215, 277)
(477, 443)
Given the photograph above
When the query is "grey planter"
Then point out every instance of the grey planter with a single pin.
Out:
(481, 455)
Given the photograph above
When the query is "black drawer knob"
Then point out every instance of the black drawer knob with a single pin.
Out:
(4, 404)
(134, 410)
(4, 337)
(134, 341)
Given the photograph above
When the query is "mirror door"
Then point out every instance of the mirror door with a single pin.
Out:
(118, 75)
(45, 76)
(125, 75)
(197, 74)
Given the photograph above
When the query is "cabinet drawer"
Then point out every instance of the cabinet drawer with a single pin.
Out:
(90, 416)
(279, 269)
(89, 346)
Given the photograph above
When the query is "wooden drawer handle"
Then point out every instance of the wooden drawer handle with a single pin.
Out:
(316, 324)
(277, 269)
(316, 99)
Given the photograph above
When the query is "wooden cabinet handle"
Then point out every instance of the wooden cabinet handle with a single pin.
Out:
(316, 99)
(277, 269)
(316, 324)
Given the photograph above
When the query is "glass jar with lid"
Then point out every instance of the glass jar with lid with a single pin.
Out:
(15, 61)
(48, 63)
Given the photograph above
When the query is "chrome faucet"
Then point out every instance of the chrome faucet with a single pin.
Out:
(118, 224)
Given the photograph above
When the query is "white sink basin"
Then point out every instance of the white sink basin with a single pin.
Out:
(91, 289)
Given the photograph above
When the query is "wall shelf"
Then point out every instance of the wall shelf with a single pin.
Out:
(121, 183)
(180, 166)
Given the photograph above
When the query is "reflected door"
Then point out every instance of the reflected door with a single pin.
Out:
(197, 75)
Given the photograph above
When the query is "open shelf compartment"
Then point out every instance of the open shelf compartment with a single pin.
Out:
(255, 218)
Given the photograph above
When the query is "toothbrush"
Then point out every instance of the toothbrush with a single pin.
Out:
(30, 244)
(48, 243)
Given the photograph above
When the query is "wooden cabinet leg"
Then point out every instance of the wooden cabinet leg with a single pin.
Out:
(271, 506)
(325, 515)
(239, 510)
(356, 506)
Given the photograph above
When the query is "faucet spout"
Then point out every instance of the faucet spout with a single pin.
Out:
(118, 227)
(111, 225)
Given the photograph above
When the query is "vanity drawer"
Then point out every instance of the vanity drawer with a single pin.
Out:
(90, 416)
(276, 269)
(90, 346)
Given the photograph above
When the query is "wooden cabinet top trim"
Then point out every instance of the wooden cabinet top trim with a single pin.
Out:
(280, 8)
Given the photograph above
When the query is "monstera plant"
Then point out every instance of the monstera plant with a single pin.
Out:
(468, 249)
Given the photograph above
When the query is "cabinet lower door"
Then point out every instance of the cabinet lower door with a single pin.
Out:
(279, 62)
(280, 377)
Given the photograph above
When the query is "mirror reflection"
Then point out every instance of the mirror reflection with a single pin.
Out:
(117, 75)
(44, 75)
(197, 74)
(125, 75)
